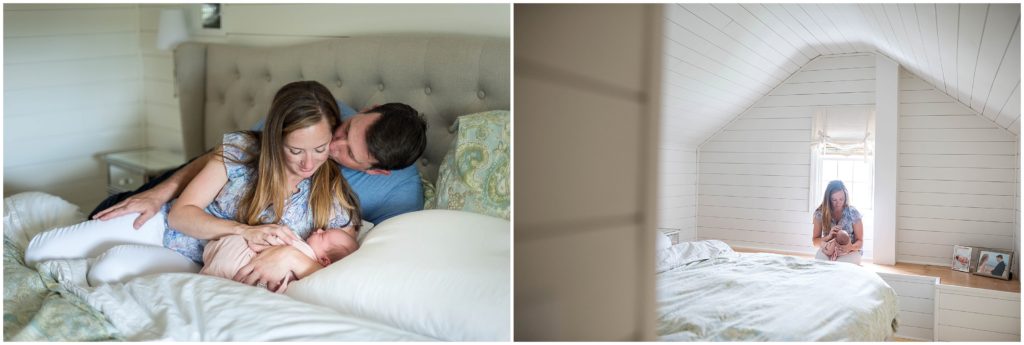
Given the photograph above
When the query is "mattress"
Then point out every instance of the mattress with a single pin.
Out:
(707, 292)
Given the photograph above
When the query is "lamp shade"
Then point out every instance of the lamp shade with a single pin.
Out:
(172, 30)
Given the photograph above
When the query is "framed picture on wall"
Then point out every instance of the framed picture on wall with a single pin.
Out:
(993, 263)
(962, 258)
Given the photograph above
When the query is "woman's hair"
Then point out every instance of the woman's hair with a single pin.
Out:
(296, 105)
(826, 205)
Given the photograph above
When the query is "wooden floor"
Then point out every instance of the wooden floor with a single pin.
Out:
(946, 275)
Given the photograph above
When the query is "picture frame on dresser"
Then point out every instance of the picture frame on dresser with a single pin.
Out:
(993, 263)
(962, 258)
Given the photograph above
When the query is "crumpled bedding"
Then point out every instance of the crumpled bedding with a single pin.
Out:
(36, 306)
(707, 292)
(52, 302)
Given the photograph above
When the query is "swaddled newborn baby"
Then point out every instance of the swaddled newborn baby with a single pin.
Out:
(831, 248)
(225, 256)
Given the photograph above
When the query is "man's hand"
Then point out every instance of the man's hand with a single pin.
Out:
(270, 267)
(147, 203)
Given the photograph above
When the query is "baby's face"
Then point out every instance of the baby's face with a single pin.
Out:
(331, 246)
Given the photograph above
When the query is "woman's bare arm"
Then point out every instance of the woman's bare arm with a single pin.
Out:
(858, 231)
(188, 216)
(816, 234)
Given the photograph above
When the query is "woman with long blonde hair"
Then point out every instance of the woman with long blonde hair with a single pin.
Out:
(833, 215)
(272, 188)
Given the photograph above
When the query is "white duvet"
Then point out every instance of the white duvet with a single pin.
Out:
(185, 306)
(707, 292)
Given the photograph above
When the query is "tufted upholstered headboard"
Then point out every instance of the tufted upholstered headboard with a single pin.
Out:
(224, 88)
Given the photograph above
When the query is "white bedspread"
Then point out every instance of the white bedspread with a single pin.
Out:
(195, 307)
(184, 306)
(707, 292)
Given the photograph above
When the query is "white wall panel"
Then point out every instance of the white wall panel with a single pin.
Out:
(755, 174)
(677, 192)
(916, 304)
(970, 314)
(72, 76)
(958, 180)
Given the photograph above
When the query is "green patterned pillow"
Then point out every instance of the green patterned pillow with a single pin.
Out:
(474, 175)
(429, 193)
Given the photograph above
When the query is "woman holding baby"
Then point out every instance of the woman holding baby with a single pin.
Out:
(259, 190)
(838, 230)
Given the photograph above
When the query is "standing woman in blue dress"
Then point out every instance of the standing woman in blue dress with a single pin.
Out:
(836, 214)
(271, 188)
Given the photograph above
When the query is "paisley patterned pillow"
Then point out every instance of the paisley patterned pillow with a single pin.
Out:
(474, 175)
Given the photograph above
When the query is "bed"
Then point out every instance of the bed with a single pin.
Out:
(438, 274)
(708, 292)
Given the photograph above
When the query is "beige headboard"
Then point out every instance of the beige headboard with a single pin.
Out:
(225, 88)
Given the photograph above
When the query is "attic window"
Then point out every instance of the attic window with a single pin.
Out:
(843, 149)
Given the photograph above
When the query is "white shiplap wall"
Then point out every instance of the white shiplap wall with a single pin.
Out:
(71, 91)
(163, 122)
(958, 177)
(721, 58)
(677, 190)
(754, 176)
(286, 24)
(916, 300)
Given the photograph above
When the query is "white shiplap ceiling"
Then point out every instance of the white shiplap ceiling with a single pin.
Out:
(721, 58)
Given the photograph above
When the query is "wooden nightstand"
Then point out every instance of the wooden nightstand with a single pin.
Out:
(128, 170)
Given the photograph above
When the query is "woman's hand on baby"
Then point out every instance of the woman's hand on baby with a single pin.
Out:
(260, 237)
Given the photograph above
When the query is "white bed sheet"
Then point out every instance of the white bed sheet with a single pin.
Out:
(707, 292)
(185, 306)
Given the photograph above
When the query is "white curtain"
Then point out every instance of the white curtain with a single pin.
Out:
(844, 131)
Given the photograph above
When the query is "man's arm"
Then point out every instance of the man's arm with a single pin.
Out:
(149, 202)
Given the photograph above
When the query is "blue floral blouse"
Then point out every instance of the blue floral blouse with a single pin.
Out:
(297, 215)
(850, 217)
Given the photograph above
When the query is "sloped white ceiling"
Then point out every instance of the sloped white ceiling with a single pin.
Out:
(721, 58)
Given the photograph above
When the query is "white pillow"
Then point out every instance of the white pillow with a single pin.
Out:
(438, 273)
(363, 231)
(29, 213)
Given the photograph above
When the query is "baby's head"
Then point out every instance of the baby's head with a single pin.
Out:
(330, 246)
(842, 237)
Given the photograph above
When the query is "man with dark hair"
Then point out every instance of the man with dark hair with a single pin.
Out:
(397, 138)
(376, 149)
(1000, 267)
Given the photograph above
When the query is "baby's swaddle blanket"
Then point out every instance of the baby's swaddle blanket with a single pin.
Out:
(225, 256)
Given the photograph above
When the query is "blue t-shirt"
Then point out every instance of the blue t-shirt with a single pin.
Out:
(380, 196)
